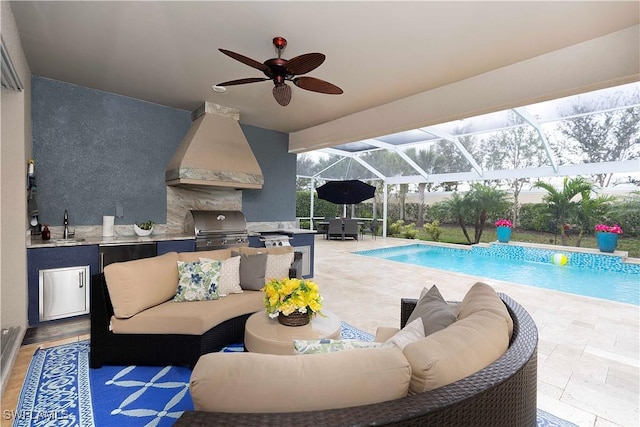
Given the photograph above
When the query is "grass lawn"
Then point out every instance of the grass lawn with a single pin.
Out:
(453, 234)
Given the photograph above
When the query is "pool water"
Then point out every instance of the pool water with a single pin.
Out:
(576, 279)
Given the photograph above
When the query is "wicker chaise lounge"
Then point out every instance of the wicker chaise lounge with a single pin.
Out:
(502, 394)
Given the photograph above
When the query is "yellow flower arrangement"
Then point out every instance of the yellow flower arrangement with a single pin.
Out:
(288, 295)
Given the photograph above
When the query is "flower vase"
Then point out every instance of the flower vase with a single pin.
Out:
(607, 242)
(503, 234)
(294, 319)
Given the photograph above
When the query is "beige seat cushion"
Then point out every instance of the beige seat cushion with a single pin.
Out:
(463, 348)
(190, 318)
(252, 382)
(136, 285)
(483, 297)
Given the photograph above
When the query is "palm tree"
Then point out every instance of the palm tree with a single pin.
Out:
(485, 201)
(591, 210)
(563, 205)
(457, 207)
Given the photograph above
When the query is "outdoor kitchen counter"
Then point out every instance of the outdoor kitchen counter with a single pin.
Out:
(288, 231)
(37, 242)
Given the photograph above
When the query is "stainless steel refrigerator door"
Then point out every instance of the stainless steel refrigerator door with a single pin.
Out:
(64, 292)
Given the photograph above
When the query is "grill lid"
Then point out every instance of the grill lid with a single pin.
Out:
(215, 222)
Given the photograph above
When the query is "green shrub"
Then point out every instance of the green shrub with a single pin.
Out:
(321, 208)
(433, 229)
(534, 217)
(395, 229)
(304, 223)
(626, 213)
(409, 231)
(439, 212)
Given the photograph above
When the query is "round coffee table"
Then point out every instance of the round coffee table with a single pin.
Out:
(265, 335)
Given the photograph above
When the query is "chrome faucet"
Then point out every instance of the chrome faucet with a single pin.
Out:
(65, 221)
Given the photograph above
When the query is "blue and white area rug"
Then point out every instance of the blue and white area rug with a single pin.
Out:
(61, 390)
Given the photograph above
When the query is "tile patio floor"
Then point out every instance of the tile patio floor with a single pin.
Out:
(588, 350)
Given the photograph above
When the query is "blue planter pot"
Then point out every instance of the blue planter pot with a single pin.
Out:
(503, 234)
(607, 242)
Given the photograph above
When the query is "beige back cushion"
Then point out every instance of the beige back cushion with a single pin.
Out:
(462, 349)
(483, 297)
(279, 259)
(218, 255)
(137, 285)
(275, 250)
(254, 382)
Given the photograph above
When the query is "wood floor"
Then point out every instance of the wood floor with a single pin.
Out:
(57, 333)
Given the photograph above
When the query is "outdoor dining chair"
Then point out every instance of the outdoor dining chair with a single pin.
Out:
(335, 229)
(373, 229)
(351, 228)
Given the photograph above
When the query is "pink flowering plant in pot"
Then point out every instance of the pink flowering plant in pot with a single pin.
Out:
(503, 230)
(504, 223)
(615, 228)
(607, 237)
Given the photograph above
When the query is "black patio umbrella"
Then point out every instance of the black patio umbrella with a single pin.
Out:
(346, 192)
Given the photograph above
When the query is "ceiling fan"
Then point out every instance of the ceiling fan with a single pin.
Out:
(281, 70)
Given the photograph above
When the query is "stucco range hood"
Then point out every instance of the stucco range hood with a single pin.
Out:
(214, 152)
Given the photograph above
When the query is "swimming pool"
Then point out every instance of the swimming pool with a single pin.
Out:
(585, 274)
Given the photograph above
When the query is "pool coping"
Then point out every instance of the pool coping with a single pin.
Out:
(617, 261)
(623, 255)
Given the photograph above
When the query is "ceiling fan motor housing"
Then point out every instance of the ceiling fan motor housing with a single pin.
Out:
(277, 70)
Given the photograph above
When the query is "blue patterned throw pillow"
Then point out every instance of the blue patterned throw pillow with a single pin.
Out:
(198, 281)
(327, 345)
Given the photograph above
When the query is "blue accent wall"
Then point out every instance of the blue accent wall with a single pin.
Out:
(96, 150)
(276, 201)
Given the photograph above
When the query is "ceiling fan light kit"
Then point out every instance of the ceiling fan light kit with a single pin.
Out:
(280, 70)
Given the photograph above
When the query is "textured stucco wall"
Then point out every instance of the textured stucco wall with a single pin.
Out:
(276, 201)
(95, 150)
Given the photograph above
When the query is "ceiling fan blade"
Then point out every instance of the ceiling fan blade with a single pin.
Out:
(304, 63)
(247, 61)
(243, 81)
(317, 85)
(282, 94)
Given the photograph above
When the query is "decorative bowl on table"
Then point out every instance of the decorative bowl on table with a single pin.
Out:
(143, 229)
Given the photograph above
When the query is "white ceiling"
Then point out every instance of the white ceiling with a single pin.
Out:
(377, 52)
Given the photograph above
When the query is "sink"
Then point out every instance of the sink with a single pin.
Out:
(69, 241)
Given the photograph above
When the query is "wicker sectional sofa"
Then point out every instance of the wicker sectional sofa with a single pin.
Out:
(147, 328)
(501, 394)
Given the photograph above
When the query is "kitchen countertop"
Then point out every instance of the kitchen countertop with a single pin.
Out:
(37, 242)
(289, 231)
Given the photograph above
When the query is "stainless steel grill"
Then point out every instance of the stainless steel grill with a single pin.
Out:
(216, 229)
(275, 239)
